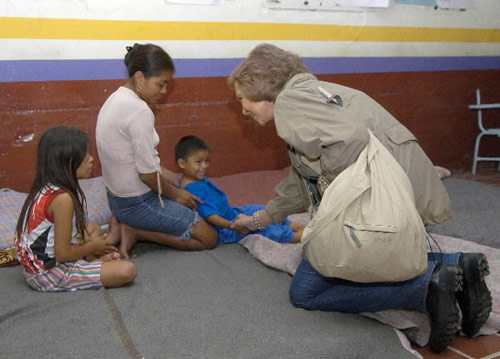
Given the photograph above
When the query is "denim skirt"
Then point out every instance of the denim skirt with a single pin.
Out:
(146, 212)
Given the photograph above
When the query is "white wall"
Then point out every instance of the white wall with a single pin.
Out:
(221, 43)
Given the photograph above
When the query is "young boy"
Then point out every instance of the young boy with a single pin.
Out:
(192, 156)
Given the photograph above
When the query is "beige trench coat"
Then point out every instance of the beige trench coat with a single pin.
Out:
(325, 138)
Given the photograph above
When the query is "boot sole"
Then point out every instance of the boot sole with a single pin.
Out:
(475, 300)
(443, 329)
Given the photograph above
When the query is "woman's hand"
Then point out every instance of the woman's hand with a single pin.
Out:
(258, 220)
(243, 221)
(168, 189)
(187, 199)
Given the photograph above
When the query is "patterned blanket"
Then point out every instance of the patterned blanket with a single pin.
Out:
(8, 257)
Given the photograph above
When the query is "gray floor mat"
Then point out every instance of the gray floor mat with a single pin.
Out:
(476, 212)
(212, 304)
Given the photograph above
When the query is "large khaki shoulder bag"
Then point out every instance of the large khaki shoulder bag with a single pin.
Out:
(367, 228)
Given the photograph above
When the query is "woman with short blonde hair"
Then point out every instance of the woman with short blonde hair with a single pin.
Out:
(326, 126)
(266, 70)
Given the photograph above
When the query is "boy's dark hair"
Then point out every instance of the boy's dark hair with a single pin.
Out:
(187, 146)
(61, 151)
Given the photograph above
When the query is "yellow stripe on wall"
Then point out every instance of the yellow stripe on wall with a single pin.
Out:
(77, 29)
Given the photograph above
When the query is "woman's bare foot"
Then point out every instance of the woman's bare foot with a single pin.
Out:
(114, 233)
(128, 240)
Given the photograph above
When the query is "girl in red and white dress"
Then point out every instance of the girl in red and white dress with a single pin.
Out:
(59, 250)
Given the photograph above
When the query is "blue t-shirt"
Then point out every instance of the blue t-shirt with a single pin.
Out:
(214, 200)
(215, 203)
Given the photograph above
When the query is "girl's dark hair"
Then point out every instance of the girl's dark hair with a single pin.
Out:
(61, 151)
(150, 59)
(188, 145)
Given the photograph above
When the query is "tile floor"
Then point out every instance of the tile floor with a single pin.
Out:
(483, 347)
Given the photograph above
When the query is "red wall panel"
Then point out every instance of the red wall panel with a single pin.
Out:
(433, 105)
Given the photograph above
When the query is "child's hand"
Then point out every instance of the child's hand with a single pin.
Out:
(239, 229)
(102, 246)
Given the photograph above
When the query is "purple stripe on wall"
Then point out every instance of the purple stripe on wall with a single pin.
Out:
(346, 65)
(65, 70)
(61, 70)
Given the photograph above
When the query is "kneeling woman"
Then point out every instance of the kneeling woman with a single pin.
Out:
(142, 194)
(325, 126)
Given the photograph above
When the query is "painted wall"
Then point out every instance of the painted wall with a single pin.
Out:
(62, 58)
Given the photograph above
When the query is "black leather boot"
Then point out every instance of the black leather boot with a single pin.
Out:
(475, 298)
(441, 302)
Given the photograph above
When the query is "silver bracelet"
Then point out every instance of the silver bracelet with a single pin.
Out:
(255, 220)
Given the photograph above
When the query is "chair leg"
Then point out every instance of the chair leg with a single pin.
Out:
(476, 153)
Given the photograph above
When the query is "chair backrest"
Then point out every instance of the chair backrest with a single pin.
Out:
(479, 112)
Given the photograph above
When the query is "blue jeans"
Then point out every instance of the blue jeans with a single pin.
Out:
(146, 212)
(312, 291)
